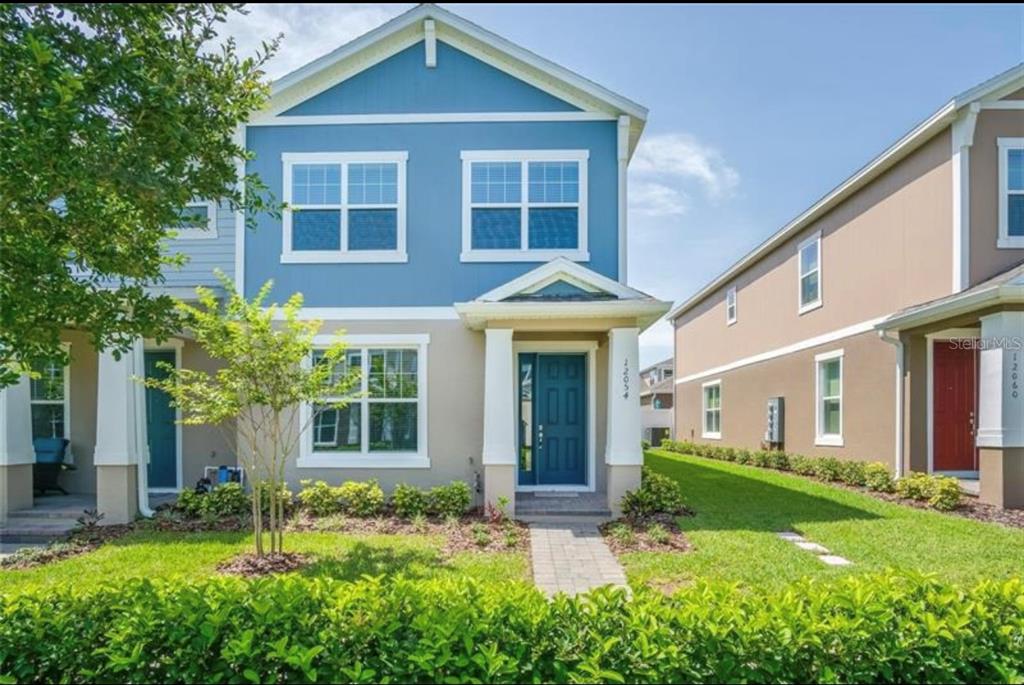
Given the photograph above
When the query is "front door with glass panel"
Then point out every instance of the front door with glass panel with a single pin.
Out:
(552, 419)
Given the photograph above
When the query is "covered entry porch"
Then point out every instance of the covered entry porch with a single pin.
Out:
(561, 388)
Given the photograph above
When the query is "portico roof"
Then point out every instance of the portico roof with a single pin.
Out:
(561, 289)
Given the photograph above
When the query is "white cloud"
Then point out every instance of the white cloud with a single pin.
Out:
(683, 157)
(656, 199)
(310, 30)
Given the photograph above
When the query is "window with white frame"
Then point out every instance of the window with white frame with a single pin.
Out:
(730, 306)
(712, 421)
(198, 221)
(1011, 192)
(344, 207)
(49, 400)
(524, 205)
(384, 423)
(829, 382)
(810, 273)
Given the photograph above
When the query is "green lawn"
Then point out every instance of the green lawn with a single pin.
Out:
(190, 556)
(741, 508)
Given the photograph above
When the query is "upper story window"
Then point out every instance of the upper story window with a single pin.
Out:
(524, 205)
(1011, 192)
(730, 306)
(809, 254)
(344, 207)
(198, 221)
(829, 401)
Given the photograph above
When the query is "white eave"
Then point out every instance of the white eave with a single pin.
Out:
(993, 88)
(1011, 293)
(409, 28)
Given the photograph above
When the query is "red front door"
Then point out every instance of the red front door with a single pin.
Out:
(955, 385)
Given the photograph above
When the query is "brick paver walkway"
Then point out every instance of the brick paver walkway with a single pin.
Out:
(572, 558)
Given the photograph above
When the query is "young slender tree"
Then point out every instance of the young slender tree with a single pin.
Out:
(270, 368)
(113, 118)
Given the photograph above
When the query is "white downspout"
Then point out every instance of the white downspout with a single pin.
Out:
(898, 344)
(141, 432)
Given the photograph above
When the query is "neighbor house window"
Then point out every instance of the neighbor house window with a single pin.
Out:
(49, 400)
(829, 398)
(730, 306)
(524, 205)
(344, 207)
(1011, 192)
(198, 221)
(809, 255)
(384, 423)
(712, 427)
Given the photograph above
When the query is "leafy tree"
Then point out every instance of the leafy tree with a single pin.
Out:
(113, 117)
(266, 376)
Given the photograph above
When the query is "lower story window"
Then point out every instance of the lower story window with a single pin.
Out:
(49, 401)
(830, 398)
(712, 427)
(385, 418)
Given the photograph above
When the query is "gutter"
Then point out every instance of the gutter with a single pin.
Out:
(898, 344)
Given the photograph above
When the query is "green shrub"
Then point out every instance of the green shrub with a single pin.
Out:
(645, 445)
(802, 465)
(409, 501)
(657, 494)
(362, 499)
(658, 533)
(779, 460)
(827, 468)
(229, 499)
(319, 498)
(287, 498)
(853, 473)
(917, 486)
(878, 478)
(870, 628)
(945, 493)
(450, 500)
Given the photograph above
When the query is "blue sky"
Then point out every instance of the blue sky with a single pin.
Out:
(755, 111)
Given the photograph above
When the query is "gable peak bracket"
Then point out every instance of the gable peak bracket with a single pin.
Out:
(430, 42)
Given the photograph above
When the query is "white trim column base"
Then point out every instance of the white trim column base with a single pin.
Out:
(16, 483)
(500, 483)
(117, 493)
(620, 480)
(16, 452)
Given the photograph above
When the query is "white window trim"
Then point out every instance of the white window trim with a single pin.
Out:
(524, 254)
(343, 255)
(820, 438)
(364, 459)
(704, 432)
(198, 232)
(68, 457)
(731, 306)
(802, 307)
(1007, 241)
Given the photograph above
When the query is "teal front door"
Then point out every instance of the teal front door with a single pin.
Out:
(553, 419)
(160, 427)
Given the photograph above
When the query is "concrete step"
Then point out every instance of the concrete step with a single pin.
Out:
(40, 513)
(565, 519)
(38, 529)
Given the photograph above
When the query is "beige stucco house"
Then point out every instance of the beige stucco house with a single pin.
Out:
(887, 319)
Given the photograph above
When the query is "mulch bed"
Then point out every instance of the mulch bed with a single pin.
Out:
(471, 533)
(641, 539)
(969, 507)
(251, 566)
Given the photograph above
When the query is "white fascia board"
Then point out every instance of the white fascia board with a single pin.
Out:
(477, 314)
(548, 272)
(1008, 293)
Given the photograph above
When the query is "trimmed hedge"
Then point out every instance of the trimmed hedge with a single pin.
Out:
(879, 628)
(940, 492)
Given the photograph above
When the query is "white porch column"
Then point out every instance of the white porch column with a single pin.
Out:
(16, 452)
(1000, 435)
(499, 450)
(623, 455)
(120, 435)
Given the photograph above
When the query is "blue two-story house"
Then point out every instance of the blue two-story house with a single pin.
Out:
(457, 206)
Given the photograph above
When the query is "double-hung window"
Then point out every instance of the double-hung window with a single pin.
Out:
(524, 205)
(712, 413)
(829, 398)
(1011, 192)
(49, 401)
(384, 423)
(730, 306)
(344, 207)
(809, 257)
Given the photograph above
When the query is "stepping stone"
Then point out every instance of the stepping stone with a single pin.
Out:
(790, 536)
(834, 560)
(812, 547)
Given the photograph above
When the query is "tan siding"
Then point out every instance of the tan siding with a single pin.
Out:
(868, 401)
(986, 259)
(203, 446)
(885, 248)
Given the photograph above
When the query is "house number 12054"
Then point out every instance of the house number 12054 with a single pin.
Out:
(625, 379)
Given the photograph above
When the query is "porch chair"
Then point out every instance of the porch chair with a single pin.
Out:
(50, 453)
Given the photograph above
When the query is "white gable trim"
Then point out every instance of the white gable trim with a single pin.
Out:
(561, 268)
